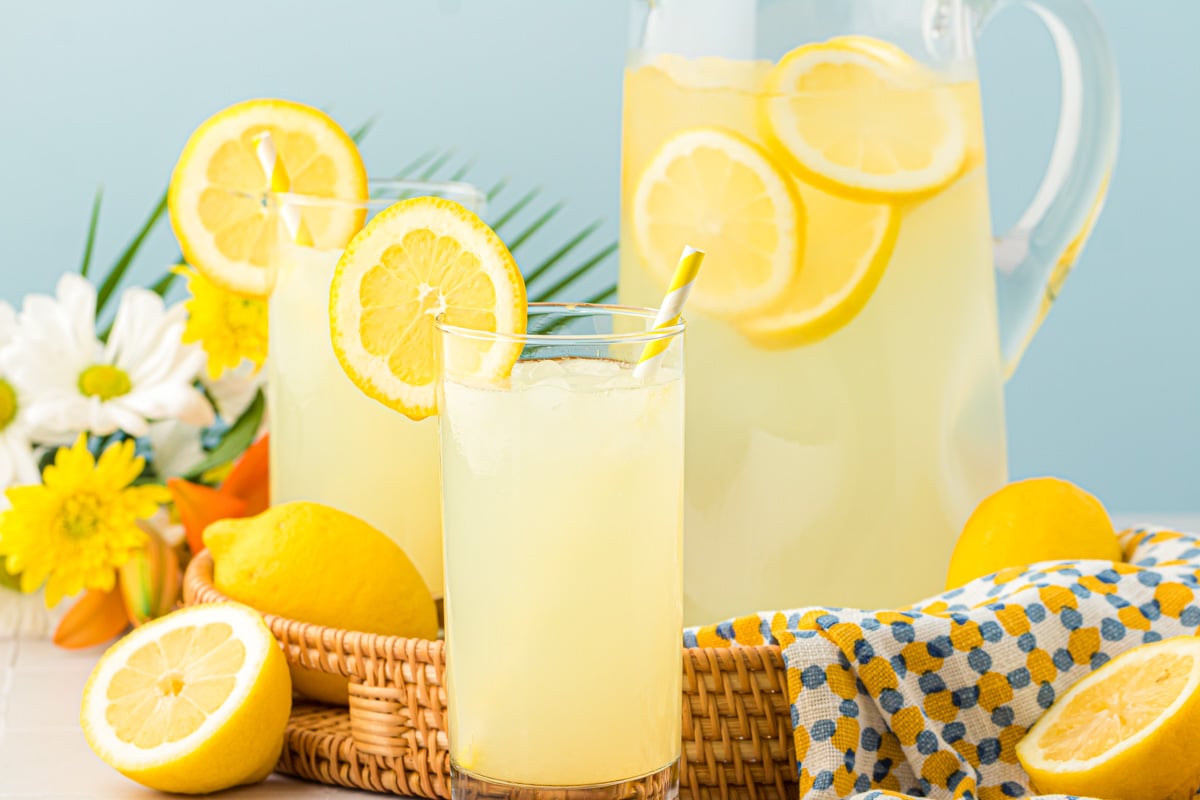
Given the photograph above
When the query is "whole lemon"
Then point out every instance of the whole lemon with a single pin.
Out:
(313, 563)
(1040, 519)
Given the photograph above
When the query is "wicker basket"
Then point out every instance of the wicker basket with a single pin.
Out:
(737, 736)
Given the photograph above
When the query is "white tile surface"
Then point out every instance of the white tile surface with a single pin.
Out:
(43, 754)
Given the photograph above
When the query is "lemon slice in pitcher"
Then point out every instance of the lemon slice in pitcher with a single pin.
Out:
(718, 191)
(844, 261)
(862, 122)
(416, 260)
(193, 702)
(217, 189)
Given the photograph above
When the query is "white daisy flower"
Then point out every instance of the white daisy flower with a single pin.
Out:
(234, 391)
(175, 447)
(17, 461)
(77, 383)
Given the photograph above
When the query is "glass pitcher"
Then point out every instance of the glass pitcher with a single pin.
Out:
(855, 320)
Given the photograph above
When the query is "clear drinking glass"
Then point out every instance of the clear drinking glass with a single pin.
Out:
(563, 509)
(330, 443)
(855, 319)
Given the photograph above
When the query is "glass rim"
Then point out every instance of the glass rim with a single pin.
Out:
(650, 334)
(380, 194)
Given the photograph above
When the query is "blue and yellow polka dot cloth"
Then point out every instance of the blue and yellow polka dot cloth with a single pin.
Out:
(931, 701)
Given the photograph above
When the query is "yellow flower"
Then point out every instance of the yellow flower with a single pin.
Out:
(229, 326)
(74, 529)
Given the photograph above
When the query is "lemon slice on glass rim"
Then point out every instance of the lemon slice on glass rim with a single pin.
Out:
(863, 121)
(217, 188)
(418, 260)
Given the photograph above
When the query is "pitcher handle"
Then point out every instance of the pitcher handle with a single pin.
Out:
(1034, 258)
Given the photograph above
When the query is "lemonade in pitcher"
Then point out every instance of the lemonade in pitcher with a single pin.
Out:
(845, 409)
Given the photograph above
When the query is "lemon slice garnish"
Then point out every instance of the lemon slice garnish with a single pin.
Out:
(196, 701)
(844, 260)
(863, 122)
(416, 260)
(719, 192)
(216, 194)
(1125, 730)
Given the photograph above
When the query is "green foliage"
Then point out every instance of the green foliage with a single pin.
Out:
(125, 260)
(235, 440)
(91, 232)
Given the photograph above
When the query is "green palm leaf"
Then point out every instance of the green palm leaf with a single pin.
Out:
(91, 232)
(360, 133)
(117, 271)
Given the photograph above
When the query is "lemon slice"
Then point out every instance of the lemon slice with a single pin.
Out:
(416, 260)
(844, 261)
(718, 191)
(1127, 730)
(196, 701)
(858, 121)
(217, 189)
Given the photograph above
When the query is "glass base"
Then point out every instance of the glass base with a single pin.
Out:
(662, 784)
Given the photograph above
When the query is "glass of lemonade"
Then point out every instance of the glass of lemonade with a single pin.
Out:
(563, 504)
(331, 443)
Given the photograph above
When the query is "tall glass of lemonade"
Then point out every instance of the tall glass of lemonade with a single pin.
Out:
(563, 503)
(330, 442)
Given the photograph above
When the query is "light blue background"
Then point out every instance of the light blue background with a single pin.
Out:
(90, 92)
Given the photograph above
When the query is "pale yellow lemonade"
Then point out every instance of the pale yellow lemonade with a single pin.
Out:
(843, 416)
(563, 572)
(331, 443)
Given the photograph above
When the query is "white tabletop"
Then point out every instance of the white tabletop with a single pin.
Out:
(42, 750)
(43, 753)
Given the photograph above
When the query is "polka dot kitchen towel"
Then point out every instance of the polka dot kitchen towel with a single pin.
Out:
(931, 701)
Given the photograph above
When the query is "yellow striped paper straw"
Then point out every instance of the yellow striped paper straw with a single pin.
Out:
(264, 148)
(670, 311)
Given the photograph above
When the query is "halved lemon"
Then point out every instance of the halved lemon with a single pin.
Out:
(217, 192)
(193, 702)
(859, 122)
(718, 191)
(845, 257)
(416, 260)
(1127, 731)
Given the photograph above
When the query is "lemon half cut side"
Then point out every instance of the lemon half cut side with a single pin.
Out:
(1126, 731)
(193, 702)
